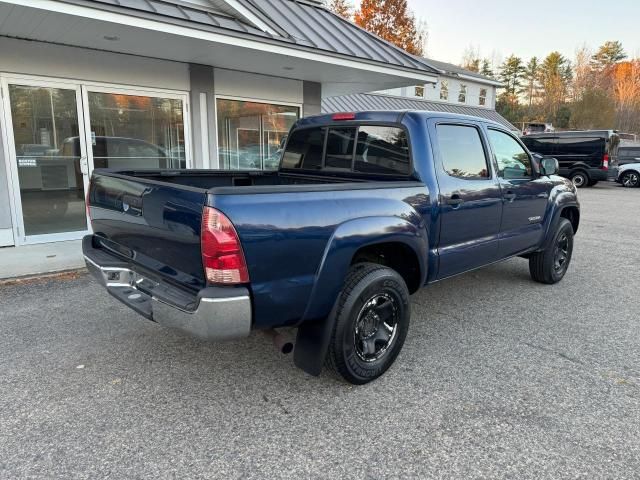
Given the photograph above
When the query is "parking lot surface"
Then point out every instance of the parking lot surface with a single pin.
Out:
(500, 377)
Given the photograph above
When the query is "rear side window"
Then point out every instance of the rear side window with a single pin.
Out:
(340, 144)
(382, 150)
(304, 149)
(463, 155)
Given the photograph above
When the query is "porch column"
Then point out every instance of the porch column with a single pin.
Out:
(311, 98)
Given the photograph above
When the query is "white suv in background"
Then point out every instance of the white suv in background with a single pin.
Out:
(629, 175)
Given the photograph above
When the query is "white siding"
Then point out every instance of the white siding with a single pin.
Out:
(232, 83)
(432, 92)
(36, 58)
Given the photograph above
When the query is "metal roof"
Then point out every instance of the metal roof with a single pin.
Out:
(297, 23)
(457, 70)
(373, 102)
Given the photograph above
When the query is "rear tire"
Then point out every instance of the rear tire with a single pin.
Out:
(371, 323)
(550, 265)
(630, 179)
(580, 178)
(593, 183)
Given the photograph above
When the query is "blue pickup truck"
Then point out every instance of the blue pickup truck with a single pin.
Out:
(365, 209)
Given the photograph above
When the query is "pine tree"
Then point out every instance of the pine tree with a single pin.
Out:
(486, 69)
(392, 20)
(531, 75)
(608, 55)
(511, 73)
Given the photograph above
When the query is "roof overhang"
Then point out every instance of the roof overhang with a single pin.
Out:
(83, 25)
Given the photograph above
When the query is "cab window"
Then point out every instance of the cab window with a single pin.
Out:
(462, 152)
(513, 160)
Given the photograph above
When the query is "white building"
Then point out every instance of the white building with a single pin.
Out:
(456, 90)
(159, 83)
(455, 85)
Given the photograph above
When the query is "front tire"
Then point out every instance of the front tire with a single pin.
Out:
(551, 265)
(630, 179)
(371, 323)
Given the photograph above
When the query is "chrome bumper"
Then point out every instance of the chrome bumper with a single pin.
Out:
(216, 317)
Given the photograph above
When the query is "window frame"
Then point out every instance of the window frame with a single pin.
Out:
(444, 90)
(462, 93)
(353, 124)
(482, 99)
(419, 88)
(495, 156)
(485, 147)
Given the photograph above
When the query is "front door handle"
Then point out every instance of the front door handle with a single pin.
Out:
(455, 200)
(510, 196)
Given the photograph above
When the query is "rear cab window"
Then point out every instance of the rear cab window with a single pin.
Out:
(462, 151)
(366, 149)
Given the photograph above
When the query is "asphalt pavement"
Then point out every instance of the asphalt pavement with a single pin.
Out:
(500, 377)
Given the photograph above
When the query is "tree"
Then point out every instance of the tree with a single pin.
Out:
(594, 110)
(341, 7)
(531, 74)
(471, 59)
(392, 20)
(608, 54)
(510, 75)
(626, 93)
(555, 77)
(485, 68)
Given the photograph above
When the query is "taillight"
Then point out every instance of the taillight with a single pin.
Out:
(222, 255)
(339, 117)
(605, 162)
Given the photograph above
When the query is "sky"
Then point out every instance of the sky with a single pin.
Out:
(498, 28)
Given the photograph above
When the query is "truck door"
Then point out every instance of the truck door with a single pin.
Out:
(525, 195)
(470, 202)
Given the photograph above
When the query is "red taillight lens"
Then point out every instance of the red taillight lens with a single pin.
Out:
(339, 117)
(222, 255)
(605, 163)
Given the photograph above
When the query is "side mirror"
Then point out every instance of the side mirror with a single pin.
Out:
(549, 166)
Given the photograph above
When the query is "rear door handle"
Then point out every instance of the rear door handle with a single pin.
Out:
(455, 200)
(543, 195)
(509, 196)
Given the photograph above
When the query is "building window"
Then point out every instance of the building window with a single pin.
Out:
(483, 97)
(444, 90)
(250, 133)
(462, 96)
(419, 92)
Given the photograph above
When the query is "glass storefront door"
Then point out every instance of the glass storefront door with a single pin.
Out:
(58, 132)
(49, 181)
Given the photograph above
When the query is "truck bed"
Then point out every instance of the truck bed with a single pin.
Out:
(284, 222)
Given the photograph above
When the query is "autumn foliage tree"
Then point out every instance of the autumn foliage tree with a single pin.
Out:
(341, 7)
(393, 21)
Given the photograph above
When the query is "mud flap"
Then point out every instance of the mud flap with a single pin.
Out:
(312, 343)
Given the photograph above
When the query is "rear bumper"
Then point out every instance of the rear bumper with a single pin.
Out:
(213, 314)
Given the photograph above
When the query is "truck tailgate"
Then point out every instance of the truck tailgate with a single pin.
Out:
(154, 224)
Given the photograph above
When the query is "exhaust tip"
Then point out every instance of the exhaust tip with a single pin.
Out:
(287, 348)
(280, 341)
